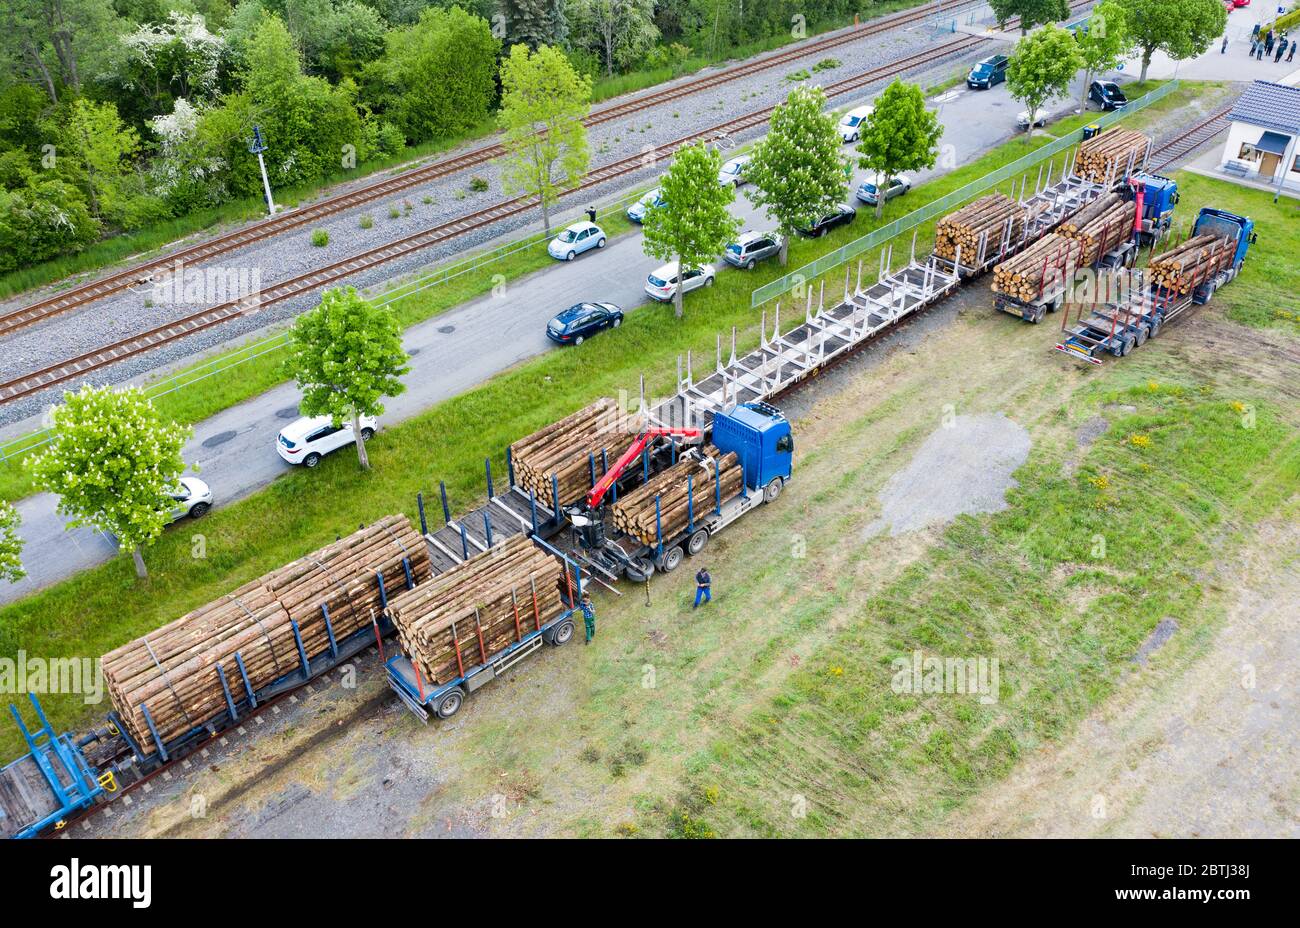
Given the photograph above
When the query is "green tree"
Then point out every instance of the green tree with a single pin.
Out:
(41, 221)
(113, 462)
(797, 171)
(57, 44)
(346, 355)
(1042, 66)
(96, 151)
(899, 135)
(535, 22)
(438, 76)
(621, 30)
(1181, 29)
(11, 544)
(543, 103)
(1104, 44)
(1031, 12)
(695, 224)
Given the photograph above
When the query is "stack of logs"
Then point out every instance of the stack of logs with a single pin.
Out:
(1105, 222)
(1108, 157)
(987, 220)
(567, 448)
(173, 672)
(463, 617)
(635, 512)
(1185, 266)
(1041, 266)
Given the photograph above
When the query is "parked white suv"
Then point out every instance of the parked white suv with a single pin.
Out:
(310, 439)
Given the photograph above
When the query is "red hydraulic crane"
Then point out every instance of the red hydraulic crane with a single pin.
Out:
(597, 494)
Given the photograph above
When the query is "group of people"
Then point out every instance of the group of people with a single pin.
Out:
(1269, 45)
(703, 583)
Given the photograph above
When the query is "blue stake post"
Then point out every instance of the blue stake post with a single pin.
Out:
(248, 685)
(446, 510)
(329, 630)
(464, 543)
(406, 569)
(510, 466)
(225, 691)
(424, 523)
(555, 497)
(717, 487)
(659, 529)
(487, 466)
(487, 527)
(302, 652)
(690, 503)
(532, 505)
(153, 730)
(591, 466)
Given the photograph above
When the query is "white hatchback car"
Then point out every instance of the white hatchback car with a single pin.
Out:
(662, 284)
(310, 439)
(733, 172)
(850, 127)
(190, 497)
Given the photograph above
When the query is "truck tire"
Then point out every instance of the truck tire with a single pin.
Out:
(560, 634)
(1155, 327)
(697, 541)
(1125, 346)
(672, 559)
(1142, 335)
(450, 703)
(1037, 315)
(772, 490)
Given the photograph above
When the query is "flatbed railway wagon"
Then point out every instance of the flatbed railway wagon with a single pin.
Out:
(1143, 308)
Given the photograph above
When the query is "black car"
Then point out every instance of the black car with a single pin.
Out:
(988, 72)
(1107, 95)
(843, 215)
(581, 321)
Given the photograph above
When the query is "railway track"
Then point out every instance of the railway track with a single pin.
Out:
(77, 297)
(1187, 142)
(134, 345)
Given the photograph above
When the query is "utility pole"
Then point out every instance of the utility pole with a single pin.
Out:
(256, 147)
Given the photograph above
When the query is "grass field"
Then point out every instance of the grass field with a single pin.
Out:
(106, 606)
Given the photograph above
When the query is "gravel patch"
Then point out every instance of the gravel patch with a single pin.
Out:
(1091, 430)
(962, 468)
(1163, 631)
(291, 254)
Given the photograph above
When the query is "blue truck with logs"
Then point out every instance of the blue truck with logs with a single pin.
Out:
(1142, 306)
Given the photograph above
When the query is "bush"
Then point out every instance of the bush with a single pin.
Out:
(826, 64)
(478, 184)
(320, 238)
(42, 221)
(367, 222)
(800, 75)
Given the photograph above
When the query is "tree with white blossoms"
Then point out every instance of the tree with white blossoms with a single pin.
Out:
(346, 355)
(797, 171)
(113, 461)
(11, 544)
(177, 56)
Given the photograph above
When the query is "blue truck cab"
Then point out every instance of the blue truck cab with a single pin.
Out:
(1211, 221)
(1159, 197)
(760, 436)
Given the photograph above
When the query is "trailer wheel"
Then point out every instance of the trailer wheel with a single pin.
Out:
(1125, 346)
(672, 559)
(1037, 315)
(772, 490)
(1142, 335)
(1155, 327)
(450, 703)
(697, 541)
(561, 634)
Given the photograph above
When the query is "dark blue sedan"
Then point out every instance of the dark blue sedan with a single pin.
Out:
(581, 321)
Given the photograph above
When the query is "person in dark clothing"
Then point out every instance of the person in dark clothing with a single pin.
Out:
(588, 615)
(1223, 50)
(702, 583)
(1291, 51)
(1268, 43)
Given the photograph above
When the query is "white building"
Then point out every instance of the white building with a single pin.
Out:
(1263, 133)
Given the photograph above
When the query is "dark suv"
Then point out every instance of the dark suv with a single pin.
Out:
(988, 72)
(1107, 95)
(581, 321)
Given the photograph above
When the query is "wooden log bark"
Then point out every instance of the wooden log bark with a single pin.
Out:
(635, 512)
(567, 449)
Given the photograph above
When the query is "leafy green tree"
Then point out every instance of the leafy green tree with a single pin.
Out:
(621, 30)
(41, 221)
(113, 462)
(159, 63)
(1031, 12)
(57, 44)
(438, 77)
(1105, 43)
(543, 103)
(1181, 29)
(797, 172)
(899, 135)
(96, 151)
(535, 22)
(1042, 66)
(695, 224)
(338, 37)
(11, 544)
(346, 355)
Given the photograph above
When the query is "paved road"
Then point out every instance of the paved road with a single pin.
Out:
(455, 351)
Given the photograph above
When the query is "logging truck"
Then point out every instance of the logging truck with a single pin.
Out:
(1140, 311)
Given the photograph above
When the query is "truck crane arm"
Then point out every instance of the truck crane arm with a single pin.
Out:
(597, 494)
